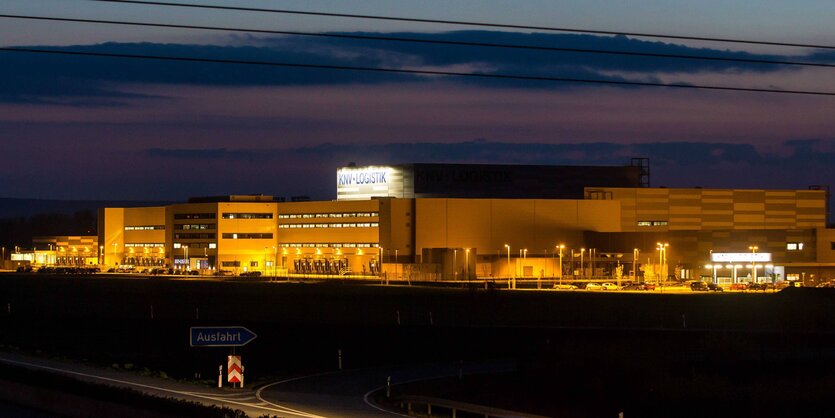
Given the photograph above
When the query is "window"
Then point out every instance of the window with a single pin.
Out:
(652, 223)
(194, 226)
(247, 215)
(177, 245)
(212, 245)
(795, 246)
(145, 228)
(230, 263)
(253, 264)
(194, 236)
(242, 235)
(195, 215)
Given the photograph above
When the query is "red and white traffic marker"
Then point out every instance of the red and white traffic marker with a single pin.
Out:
(234, 370)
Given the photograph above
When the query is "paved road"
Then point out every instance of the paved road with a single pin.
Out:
(330, 394)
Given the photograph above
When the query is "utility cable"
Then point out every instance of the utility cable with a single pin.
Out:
(407, 71)
(425, 41)
(466, 23)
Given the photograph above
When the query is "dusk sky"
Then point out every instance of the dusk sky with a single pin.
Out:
(78, 127)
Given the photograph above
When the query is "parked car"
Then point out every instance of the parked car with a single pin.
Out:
(738, 286)
(713, 287)
(565, 286)
(699, 287)
(610, 286)
(594, 286)
(754, 286)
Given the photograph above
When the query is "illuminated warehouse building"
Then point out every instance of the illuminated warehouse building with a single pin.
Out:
(422, 221)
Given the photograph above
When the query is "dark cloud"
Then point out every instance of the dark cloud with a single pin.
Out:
(41, 78)
(482, 151)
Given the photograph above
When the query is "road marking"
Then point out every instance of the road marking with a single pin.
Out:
(261, 389)
(216, 398)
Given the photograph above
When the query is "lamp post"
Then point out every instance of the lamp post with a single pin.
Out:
(582, 265)
(753, 249)
(662, 260)
(467, 263)
(635, 254)
(508, 262)
(275, 260)
(561, 246)
(396, 258)
(114, 250)
(454, 261)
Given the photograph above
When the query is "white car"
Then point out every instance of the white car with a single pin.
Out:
(610, 286)
(566, 286)
(594, 286)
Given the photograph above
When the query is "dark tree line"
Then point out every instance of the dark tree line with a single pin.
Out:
(21, 230)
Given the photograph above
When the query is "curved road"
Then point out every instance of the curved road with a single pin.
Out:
(322, 395)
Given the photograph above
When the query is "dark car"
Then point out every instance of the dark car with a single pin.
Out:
(713, 287)
(755, 286)
(699, 287)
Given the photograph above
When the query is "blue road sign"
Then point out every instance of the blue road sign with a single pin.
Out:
(220, 336)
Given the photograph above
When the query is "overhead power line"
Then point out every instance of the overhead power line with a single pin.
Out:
(410, 71)
(467, 23)
(425, 41)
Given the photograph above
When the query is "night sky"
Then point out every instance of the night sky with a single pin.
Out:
(74, 127)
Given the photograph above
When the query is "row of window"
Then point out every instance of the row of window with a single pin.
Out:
(329, 215)
(238, 264)
(794, 246)
(196, 245)
(195, 236)
(652, 223)
(338, 225)
(145, 228)
(328, 245)
(247, 216)
(196, 226)
(145, 245)
(248, 236)
(195, 216)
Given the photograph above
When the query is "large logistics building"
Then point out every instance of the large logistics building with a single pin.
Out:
(383, 223)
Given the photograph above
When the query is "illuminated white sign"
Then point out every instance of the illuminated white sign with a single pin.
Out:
(370, 175)
(740, 257)
(353, 183)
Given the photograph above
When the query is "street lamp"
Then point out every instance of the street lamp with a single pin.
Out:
(582, 266)
(508, 263)
(275, 260)
(467, 264)
(395, 262)
(185, 254)
(561, 246)
(635, 254)
(662, 259)
(754, 249)
(454, 261)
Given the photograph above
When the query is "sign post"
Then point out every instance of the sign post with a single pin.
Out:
(224, 337)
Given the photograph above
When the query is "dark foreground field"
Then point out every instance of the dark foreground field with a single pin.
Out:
(579, 354)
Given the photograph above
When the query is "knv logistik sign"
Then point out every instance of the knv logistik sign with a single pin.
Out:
(220, 336)
(368, 175)
(366, 182)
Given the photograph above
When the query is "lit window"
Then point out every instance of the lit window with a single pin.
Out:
(212, 245)
(794, 246)
(177, 245)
